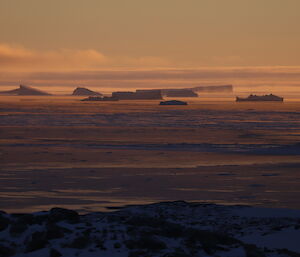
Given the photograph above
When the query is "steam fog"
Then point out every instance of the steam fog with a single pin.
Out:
(259, 80)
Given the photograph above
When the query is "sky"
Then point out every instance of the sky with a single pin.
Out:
(96, 35)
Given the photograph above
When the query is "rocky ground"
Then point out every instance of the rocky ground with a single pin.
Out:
(167, 229)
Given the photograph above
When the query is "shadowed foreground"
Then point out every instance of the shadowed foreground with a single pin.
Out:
(170, 229)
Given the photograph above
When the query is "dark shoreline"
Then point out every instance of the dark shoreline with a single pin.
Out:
(161, 229)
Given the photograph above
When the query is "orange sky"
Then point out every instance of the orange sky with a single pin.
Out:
(70, 42)
(96, 34)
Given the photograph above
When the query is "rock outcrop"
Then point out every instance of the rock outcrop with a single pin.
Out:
(160, 229)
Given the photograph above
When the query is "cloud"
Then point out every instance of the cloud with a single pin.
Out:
(88, 67)
(250, 77)
(227, 60)
(18, 58)
(11, 54)
(184, 75)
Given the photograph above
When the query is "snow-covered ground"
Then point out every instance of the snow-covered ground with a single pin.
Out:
(167, 229)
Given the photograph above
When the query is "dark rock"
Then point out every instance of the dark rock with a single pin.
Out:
(100, 243)
(149, 243)
(117, 245)
(288, 252)
(38, 241)
(40, 219)
(54, 253)
(209, 240)
(146, 221)
(137, 253)
(17, 228)
(80, 242)
(6, 251)
(53, 232)
(253, 251)
(60, 214)
(177, 253)
(25, 218)
(4, 222)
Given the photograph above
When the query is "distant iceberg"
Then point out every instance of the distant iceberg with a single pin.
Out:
(24, 90)
(173, 102)
(81, 91)
(262, 98)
